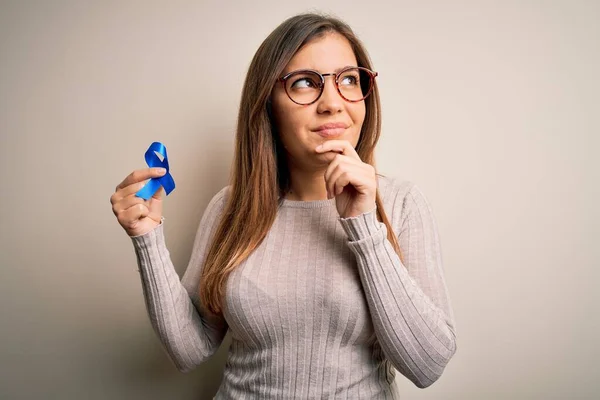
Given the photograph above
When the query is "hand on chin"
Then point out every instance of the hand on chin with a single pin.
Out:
(352, 182)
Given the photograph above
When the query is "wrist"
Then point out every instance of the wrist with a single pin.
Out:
(361, 226)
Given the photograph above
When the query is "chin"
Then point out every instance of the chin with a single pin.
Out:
(327, 157)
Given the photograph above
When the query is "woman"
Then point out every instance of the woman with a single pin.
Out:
(327, 274)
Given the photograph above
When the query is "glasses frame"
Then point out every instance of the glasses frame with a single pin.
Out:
(372, 74)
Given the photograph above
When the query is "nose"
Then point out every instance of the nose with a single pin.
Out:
(330, 101)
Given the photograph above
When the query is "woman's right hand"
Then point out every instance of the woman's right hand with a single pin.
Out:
(136, 215)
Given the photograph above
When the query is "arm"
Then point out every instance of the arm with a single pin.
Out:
(189, 337)
(409, 303)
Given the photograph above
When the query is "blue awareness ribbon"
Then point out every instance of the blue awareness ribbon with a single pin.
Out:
(166, 180)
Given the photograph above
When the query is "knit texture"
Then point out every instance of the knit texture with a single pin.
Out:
(323, 308)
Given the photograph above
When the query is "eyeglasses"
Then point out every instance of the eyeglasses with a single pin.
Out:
(305, 86)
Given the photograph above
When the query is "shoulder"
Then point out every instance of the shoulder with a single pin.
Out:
(393, 190)
(213, 212)
(400, 197)
(217, 203)
(222, 195)
(391, 187)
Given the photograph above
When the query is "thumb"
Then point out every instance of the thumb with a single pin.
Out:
(155, 205)
(159, 193)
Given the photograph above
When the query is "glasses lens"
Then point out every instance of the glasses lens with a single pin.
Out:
(303, 87)
(355, 84)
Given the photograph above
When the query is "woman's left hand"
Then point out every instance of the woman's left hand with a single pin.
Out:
(352, 182)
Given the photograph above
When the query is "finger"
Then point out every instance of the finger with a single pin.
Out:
(343, 176)
(155, 203)
(127, 191)
(338, 162)
(341, 146)
(127, 202)
(333, 166)
(139, 176)
(158, 194)
(129, 217)
(124, 191)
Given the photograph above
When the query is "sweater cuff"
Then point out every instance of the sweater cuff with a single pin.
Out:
(149, 238)
(362, 226)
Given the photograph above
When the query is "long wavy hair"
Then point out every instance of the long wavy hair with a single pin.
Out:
(260, 176)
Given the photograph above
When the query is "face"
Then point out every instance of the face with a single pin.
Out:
(299, 125)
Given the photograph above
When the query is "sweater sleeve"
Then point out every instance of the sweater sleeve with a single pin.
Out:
(409, 303)
(188, 336)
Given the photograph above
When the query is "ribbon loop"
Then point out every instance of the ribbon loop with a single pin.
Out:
(153, 161)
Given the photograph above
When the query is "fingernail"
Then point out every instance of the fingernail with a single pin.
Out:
(161, 170)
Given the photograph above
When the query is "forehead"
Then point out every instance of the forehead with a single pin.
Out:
(328, 53)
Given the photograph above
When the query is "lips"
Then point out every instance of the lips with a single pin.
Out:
(331, 129)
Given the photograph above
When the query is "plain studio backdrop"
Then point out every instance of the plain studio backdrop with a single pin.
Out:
(491, 107)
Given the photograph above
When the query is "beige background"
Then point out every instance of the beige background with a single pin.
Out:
(492, 107)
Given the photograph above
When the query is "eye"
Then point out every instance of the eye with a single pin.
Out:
(304, 82)
(349, 79)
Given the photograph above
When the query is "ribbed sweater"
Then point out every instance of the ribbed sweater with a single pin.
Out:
(323, 308)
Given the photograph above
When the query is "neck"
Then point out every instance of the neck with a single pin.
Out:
(306, 185)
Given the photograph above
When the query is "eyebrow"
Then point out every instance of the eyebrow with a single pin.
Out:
(284, 73)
